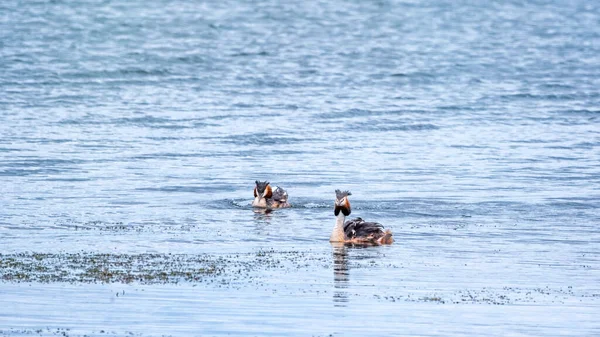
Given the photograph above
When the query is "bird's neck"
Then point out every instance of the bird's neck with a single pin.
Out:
(259, 202)
(338, 231)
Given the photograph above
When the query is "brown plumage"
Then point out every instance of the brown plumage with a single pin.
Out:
(360, 231)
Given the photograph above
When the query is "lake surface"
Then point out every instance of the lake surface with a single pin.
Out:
(131, 134)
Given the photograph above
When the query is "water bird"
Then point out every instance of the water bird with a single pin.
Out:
(356, 231)
(265, 197)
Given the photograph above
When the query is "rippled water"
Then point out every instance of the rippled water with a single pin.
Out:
(472, 130)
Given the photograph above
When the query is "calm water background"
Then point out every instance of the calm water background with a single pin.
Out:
(471, 129)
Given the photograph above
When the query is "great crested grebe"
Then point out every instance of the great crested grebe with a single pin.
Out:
(265, 197)
(356, 231)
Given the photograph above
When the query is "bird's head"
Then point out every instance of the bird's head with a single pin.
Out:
(263, 190)
(341, 203)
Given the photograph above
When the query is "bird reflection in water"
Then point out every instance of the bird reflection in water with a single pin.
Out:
(262, 213)
(340, 274)
(262, 220)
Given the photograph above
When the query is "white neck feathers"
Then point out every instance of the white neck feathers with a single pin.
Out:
(259, 202)
(338, 231)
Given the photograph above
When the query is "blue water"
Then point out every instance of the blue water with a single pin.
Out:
(471, 129)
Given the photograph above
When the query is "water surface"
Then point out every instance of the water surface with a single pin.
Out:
(131, 128)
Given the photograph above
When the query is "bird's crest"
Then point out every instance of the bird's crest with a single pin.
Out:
(339, 194)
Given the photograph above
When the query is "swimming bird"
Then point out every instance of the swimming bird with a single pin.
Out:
(265, 197)
(356, 231)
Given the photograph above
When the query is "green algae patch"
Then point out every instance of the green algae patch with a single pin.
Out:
(89, 267)
(110, 268)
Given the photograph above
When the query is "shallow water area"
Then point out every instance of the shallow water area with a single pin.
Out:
(163, 310)
(131, 134)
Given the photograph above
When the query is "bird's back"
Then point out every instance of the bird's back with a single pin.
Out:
(280, 195)
(361, 232)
